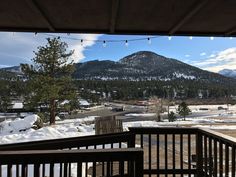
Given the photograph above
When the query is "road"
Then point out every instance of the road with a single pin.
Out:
(106, 111)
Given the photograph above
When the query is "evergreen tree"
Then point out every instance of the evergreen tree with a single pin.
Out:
(49, 78)
(171, 117)
(7, 89)
(5, 95)
(183, 110)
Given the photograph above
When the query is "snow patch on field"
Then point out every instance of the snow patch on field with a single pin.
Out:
(141, 115)
(126, 125)
(79, 120)
(12, 131)
(17, 125)
(217, 127)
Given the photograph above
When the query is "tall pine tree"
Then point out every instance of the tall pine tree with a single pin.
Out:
(49, 78)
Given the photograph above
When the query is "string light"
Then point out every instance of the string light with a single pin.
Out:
(101, 41)
(126, 43)
(231, 38)
(104, 44)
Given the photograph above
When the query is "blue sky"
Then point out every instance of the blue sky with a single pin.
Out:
(203, 52)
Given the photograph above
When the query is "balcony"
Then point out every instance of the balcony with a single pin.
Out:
(138, 152)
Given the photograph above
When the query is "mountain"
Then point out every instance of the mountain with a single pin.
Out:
(13, 69)
(145, 65)
(142, 66)
(228, 73)
(161, 76)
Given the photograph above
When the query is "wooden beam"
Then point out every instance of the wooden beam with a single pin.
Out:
(114, 13)
(35, 6)
(230, 32)
(196, 7)
(117, 32)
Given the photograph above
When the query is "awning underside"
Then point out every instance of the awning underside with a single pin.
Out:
(160, 17)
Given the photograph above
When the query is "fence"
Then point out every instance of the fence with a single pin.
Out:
(109, 124)
(65, 163)
(166, 152)
(217, 156)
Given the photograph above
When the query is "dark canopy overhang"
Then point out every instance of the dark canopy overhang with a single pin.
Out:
(159, 17)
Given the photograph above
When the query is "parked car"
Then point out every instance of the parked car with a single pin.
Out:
(118, 109)
(222, 108)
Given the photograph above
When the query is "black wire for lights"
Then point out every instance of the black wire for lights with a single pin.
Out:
(104, 41)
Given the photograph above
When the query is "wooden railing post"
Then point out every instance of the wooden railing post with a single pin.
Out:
(199, 151)
(139, 165)
(131, 144)
(131, 141)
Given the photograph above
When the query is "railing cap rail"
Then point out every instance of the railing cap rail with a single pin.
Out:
(68, 142)
(57, 156)
(164, 130)
(220, 136)
(72, 151)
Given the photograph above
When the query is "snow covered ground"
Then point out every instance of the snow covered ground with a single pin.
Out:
(19, 130)
(140, 115)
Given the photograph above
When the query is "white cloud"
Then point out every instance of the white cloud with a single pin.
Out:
(216, 69)
(212, 55)
(203, 54)
(88, 41)
(16, 48)
(225, 59)
(187, 55)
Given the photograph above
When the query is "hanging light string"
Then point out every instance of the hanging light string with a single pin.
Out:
(106, 41)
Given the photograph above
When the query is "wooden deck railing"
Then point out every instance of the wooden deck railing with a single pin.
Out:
(59, 163)
(118, 140)
(166, 152)
(108, 141)
(217, 156)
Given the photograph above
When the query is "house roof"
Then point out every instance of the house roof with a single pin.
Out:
(84, 103)
(17, 105)
(159, 17)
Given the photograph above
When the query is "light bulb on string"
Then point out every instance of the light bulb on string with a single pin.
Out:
(126, 43)
(104, 44)
(231, 38)
(81, 42)
(149, 38)
(191, 37)
(211, 38)
(169, 38)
